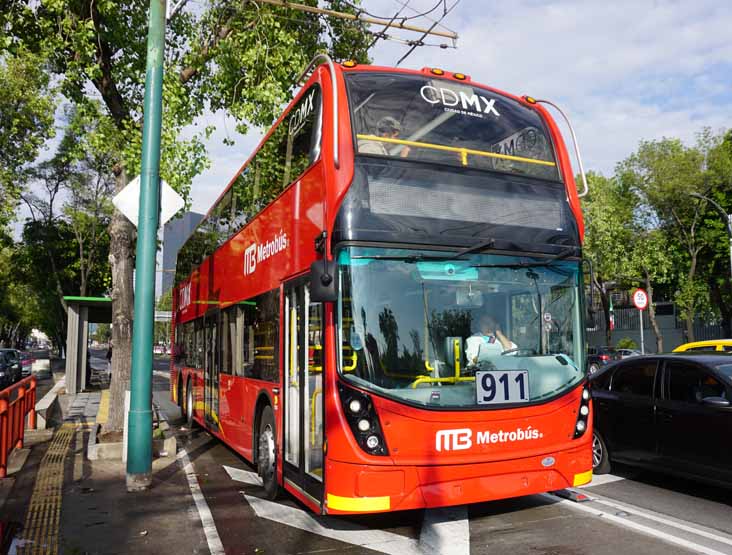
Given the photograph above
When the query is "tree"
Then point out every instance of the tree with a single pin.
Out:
(27, 105)
(240, 57)
(663, 173)
(608, 213)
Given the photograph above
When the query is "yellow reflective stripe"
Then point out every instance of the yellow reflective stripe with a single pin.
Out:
(358, 503)
(462, 151)
(582, 478)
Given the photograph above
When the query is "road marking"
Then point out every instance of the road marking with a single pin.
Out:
(446, 531)
(635, 526)
(602, 480)
(336, 529)
(650, 515)
(204, 513)
(245, 476)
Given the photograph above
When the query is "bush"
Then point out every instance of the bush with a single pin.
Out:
(626, 343)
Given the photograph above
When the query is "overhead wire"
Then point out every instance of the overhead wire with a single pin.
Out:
(445, 12)
(360, 10)
(377, 36)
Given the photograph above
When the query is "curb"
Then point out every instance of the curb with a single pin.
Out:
(46, 406)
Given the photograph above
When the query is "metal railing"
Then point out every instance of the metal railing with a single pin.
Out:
(16, 402)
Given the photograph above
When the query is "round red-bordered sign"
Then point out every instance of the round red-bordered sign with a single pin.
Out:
(640, 299)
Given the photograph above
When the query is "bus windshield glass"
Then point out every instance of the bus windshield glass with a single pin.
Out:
(420, 325)
(447, 122)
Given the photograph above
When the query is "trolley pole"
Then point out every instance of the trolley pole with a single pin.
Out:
(139, 437)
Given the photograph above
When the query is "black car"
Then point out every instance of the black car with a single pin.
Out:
(598, 357)
(670, 413)
(10, 367)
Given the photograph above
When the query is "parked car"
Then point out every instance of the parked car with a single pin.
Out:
(625, 353)
(710, 345)
(10, 368)
(669, 413)
(26, 363)
(598, 357)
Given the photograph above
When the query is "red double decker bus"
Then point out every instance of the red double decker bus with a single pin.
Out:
(384, 309)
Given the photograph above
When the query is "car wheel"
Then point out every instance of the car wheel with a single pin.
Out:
(266, 454)
(594, 368)
(600, 455)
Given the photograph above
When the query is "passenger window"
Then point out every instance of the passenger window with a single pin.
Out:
(636, 379)
(261, 336)
(727, 348)
(689, 384)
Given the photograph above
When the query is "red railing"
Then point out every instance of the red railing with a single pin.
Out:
(16, 402)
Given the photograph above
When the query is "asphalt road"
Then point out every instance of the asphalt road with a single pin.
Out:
(629, 512)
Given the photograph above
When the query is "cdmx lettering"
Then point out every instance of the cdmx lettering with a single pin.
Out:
(462, 438)
(184, 296)
(256, 253)
(451, 99)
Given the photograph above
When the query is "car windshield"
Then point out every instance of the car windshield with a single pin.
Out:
(725, 369)
(417, 325)
(447, 122)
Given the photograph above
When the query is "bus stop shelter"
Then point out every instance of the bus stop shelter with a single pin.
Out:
(82, 312)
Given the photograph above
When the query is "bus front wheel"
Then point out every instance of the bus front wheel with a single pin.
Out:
(266, 453)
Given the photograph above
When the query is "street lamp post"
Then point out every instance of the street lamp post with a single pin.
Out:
(727, 219)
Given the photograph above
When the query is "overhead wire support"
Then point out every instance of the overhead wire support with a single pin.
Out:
(430, 31)
(363, 18)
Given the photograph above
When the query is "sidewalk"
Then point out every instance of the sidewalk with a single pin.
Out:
(61, 502)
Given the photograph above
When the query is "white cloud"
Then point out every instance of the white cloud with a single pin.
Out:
(623, 71)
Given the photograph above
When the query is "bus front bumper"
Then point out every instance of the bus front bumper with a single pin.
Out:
(354, 488)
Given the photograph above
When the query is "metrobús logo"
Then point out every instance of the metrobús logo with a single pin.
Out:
(259, 252)
(462, 438)
(460, 102)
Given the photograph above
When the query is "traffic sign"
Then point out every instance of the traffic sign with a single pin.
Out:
(640, 299)
(127, 201)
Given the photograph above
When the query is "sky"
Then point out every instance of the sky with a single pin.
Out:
(623, 71)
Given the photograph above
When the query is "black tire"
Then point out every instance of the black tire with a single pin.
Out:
(188, 414)
(179, 397)
(600, 454)
(267, 453)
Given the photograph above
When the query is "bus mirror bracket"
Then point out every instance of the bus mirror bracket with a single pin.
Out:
(576, 145)
(323, 282)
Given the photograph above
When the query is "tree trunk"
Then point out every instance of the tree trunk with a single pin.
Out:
(691, 312)
(122, 235)
(605, 301)
(652, 315)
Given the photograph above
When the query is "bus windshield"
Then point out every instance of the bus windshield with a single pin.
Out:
(447, 122)
(419, 325)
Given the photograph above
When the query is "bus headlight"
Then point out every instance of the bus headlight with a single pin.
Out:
(363, 420)
(584, 410)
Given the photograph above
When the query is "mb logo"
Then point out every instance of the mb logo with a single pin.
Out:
(453, 440)
(250, 259)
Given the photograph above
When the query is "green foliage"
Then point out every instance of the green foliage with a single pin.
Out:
(27, 104)
(626, 343)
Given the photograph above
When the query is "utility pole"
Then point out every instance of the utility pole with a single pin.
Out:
(139, 437)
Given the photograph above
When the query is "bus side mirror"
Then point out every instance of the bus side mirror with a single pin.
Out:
(323, 281)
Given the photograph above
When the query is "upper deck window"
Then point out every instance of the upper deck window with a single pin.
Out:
(442, 121)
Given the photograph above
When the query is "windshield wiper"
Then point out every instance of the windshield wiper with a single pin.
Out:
(420, 257)
(518, 265)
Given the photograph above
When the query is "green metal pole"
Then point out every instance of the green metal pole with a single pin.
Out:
(139, 433)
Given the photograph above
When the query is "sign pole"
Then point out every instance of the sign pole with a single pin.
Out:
(643, 345)
(139, 439)
(640, 300)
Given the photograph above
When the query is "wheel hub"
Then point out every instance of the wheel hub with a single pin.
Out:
(266, 458)
(596, 451)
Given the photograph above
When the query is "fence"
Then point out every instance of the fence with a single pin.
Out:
(16, 402)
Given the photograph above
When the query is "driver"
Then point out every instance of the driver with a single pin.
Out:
(389, 128)
(487, 342)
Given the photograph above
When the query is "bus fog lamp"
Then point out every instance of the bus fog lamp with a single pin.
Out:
(372, 442)
(354, 406)
(584, 410)
(581, 426)
(364, 425)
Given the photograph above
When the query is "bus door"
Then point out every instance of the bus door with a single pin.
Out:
(211, 371)
(303, 382)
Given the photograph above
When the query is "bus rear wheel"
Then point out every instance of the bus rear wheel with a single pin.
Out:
(188, 415)
(266, 453)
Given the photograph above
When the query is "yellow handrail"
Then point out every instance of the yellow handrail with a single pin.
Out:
(317, 392)
(463, 152)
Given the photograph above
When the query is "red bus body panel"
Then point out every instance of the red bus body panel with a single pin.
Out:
(414, 474)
